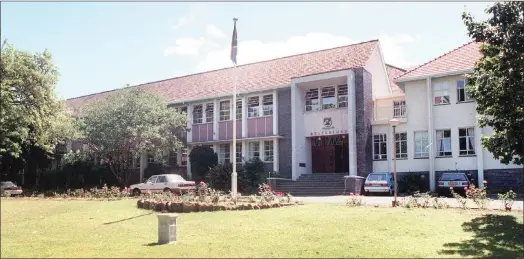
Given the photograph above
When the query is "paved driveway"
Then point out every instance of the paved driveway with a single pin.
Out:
(386, 201)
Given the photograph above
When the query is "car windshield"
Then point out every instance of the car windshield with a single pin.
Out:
(175, 178)
(8, 184)
(377, 177)
(453, 177)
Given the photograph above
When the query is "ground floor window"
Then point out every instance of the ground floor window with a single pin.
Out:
(224, 154)
(380, 151)
(239, 153)
(421, 144)
(183, 157)
(268, 150)
(254, 149)
(467, 141)
(443, 143)
(401, 145)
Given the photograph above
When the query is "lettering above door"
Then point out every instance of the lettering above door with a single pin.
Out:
(333, 141)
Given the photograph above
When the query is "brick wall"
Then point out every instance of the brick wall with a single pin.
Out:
(364, 115)
(284, 130)
(503, 180)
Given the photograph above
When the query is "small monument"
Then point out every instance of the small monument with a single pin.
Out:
(166, 228)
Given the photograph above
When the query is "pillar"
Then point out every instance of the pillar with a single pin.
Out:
(352, 121)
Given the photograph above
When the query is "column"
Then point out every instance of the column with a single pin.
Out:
(143, 165)
(216, 112)
(261, 150)
(294, 162)
(189, 136)
(352, 121)
(188, 164)
(431, 135)
(244, 116)
(275, 155)
(244, 151)
(275, 112)
(232, 156)
(480, 153)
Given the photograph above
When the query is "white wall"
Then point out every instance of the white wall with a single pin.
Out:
(380, 81)
(313, 121)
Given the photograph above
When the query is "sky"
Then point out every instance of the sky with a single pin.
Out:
(101, 46)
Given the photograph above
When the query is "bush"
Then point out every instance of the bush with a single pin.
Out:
(478, 195)
(202, 159)
(354, 200)
(219, 177)
(412, 183)
(254, 174)
(507, 199)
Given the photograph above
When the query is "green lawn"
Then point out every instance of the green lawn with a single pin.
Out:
(52, 228)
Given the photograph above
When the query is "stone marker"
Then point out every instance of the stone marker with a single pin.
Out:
(166, 228)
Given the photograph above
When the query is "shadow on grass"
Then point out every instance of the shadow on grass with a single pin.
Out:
(118, 221)
(153, 244)
(495, 236)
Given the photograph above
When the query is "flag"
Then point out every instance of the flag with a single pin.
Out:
(234, 43)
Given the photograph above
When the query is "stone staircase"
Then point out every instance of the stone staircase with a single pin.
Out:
(319, 184)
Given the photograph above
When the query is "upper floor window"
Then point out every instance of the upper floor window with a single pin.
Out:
(239, 109)
(225, 110)
(342, 96)
(467, 141)
(399, 109)
(444, 143)
(462, 91)
(209, 112)
(253, 105)
(312, 101)
(441, 93)
(267, 102)
(328, 98)
(380, 151)
(197, 114)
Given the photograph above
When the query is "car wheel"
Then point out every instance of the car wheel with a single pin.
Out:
(167, 190)
(136, 192)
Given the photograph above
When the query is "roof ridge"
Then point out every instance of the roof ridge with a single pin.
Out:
(219, 69)
(107, 91)
(447, 53)
(399, 68)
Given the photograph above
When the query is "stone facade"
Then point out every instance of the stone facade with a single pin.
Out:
(284, 130)
(503, 180)
(364, 115)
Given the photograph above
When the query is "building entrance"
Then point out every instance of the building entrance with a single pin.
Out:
(330, 154)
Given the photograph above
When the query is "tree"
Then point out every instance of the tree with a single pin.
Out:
(129, 122)
(30, 112)
(202, 158)
(497, 81)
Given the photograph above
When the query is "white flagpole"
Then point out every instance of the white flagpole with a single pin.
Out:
(234, 173)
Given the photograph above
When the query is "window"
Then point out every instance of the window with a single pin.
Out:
(343, 96)
(239, 109)
(209, 113)
(152, 179)
(401, 145)
(254, 149)
(268, 151)
(380, 151)
(224, 154)
(137, 161)
(172, 161)
(312, 101)
(197, 114)
(239, 153)
(466, 141)
(161, 179)
(267, 105)
(421, 144)
(328, 98)
(441, 93)
(399, 109)
(225, 109)
(462, 92)
(253, 106)
(183, 158)
(444, 143)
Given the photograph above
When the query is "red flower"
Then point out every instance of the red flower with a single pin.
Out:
(350, 193)
(465, 188)
(485, 182)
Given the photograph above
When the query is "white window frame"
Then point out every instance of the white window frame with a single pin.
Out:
(469, 137)
(310, 96)
(268, 151)
(342, 96)
(399, 108)
(239, 109)
(443, 143)
(329, 97)
(198, 119)
(441, 91)
(267, 105)
(380, 140)
(253, 108)
(183, 156)
(225, 110)
(462, 90)
(252, 151)
(422, 142)
(401, 151)
(210, 110)
(224, 153)
(238, 157)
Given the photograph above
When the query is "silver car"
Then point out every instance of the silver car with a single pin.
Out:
(10, 188)
(164, 183)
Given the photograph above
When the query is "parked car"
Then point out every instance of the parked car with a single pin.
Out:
(379, 183)
(164, 183)
(11, 188)
(458, 181)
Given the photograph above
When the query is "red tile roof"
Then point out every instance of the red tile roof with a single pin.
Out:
(257, 76)
(394, 72)
(459, 59)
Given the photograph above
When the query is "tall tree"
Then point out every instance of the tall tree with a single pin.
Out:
(126, 123)
(30, 112)
(497, 81)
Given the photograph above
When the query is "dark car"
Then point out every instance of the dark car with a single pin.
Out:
(458, 181)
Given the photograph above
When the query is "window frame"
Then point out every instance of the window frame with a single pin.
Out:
(438, 153)
(398, 144)
(382, 140)
(224, 115)
(238, 155)
(441, 90)
(342, 96)
(183, 156)
(269, 152)
(224, 155)
(210, 110)
(195, 119)
(399, 108)
(310, 95)
(464, 89)
(239, 109)
(328, 92)
(252, 152)
(419, 153)
(468, 151)
(253, 111)
(267, 109)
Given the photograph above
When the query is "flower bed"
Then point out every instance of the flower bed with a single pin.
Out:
(104, 193)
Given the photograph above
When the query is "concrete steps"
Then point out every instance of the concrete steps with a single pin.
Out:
(321, 184)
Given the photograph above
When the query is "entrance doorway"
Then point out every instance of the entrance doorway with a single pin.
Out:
(330, 154)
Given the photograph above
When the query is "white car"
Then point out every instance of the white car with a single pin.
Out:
(10, 187)
(379, 183)
(163, 183)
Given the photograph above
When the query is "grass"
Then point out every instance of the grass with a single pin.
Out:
(54, 228)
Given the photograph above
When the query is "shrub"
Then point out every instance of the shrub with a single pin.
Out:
(254, 173)
(507, 199)
(202, 159)
(461, 200)
(219, 177)
(354, 200)
(412, 182)
(438, 203)
(478, 195)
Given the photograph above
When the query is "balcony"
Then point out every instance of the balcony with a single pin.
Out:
(382, 114)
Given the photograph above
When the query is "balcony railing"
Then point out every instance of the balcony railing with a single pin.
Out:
(389, 112)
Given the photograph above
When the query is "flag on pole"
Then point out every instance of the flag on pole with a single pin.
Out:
(234, 43)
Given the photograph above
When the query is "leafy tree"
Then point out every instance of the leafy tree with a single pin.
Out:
(30, 112)
(497, 81)
(126, 123)
(202, 158)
